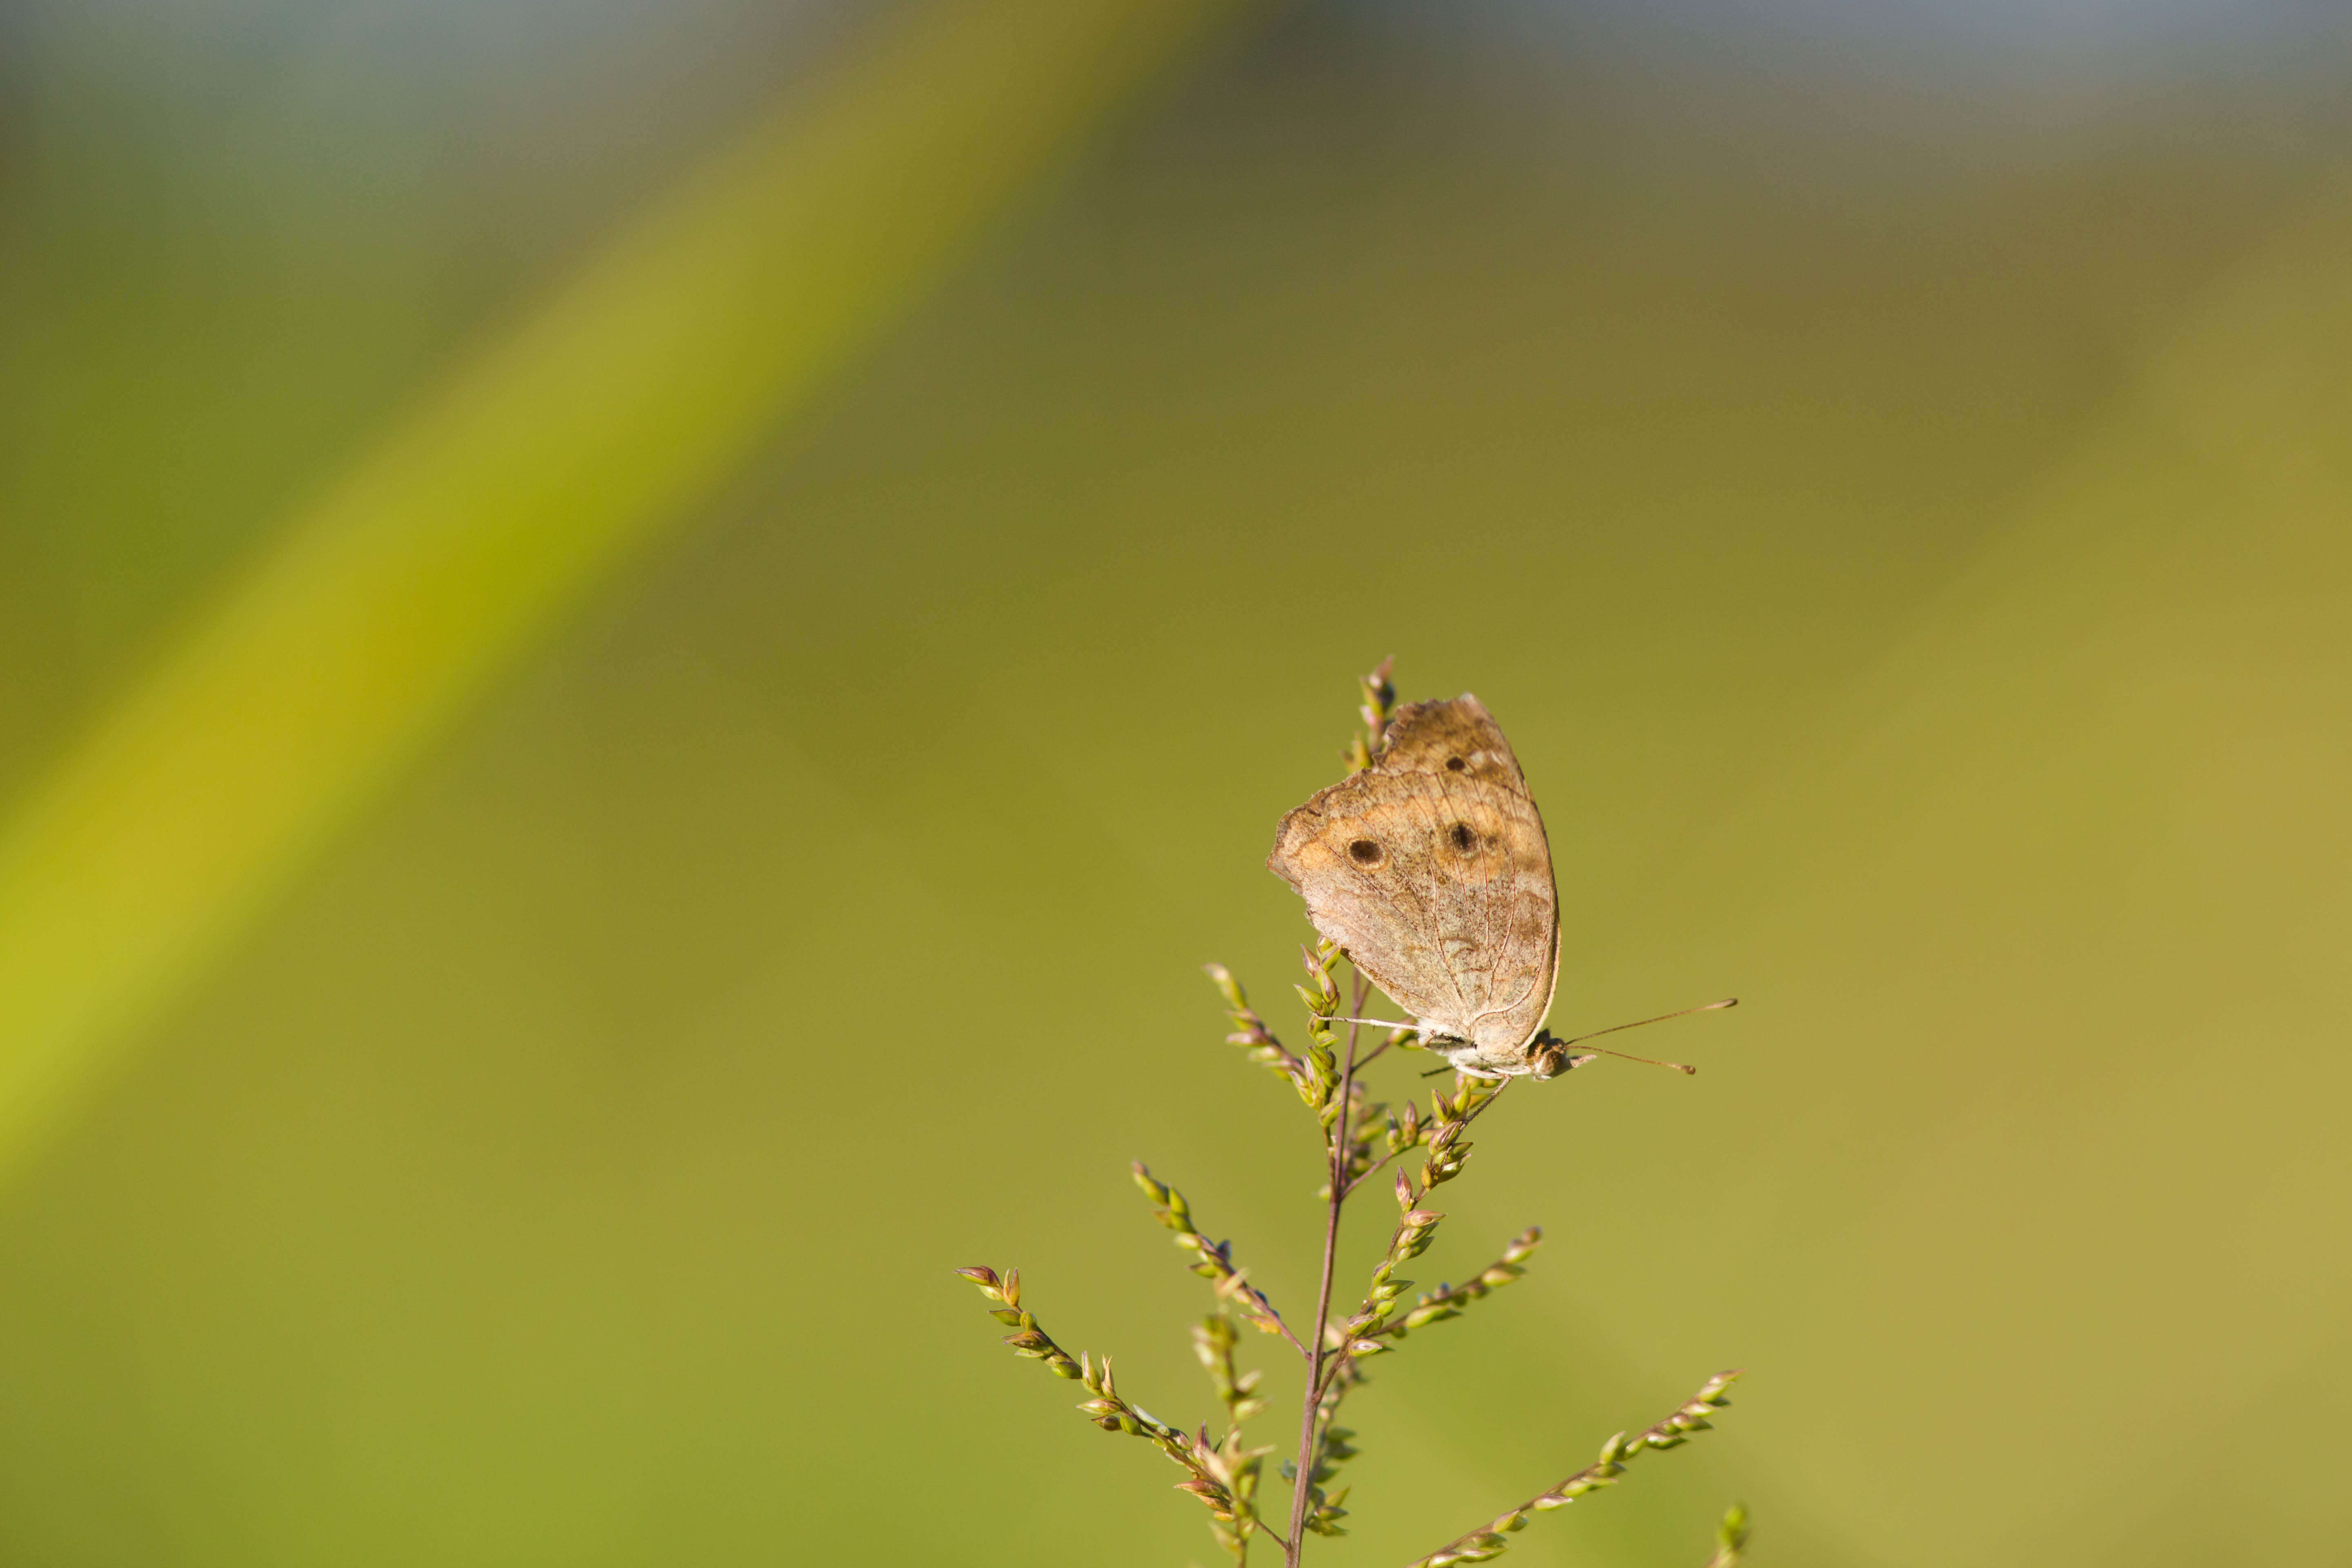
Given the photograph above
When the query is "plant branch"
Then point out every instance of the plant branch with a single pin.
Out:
(1395, 1036)
(1731, 1538)
(1450, 1117)
(1215, 1473)
(1213, 1342)
(1447, 1301)
(1409, 1132)
(1251, 1034)
(1374, 1170)
(1214, 1260)
(1491, 1540)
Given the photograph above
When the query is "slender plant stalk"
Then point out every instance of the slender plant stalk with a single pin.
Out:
(1310, 1403)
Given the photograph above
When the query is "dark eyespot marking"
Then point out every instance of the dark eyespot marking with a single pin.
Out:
(1463, 839)
(1454, 764)
(1364, 852)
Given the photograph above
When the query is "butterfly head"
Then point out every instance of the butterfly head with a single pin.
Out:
(1549, 1057)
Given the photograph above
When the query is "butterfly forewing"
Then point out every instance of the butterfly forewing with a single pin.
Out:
(1431, 869)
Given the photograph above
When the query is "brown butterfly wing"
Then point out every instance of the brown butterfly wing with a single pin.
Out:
(1431, 869)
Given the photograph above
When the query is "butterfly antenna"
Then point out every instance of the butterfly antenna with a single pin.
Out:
(1651, 1061)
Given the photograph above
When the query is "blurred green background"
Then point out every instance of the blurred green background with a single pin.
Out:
(641, 647)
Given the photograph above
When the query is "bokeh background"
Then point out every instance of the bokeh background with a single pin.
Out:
(641, 647)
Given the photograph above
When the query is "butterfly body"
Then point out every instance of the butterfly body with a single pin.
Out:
(1429, 869)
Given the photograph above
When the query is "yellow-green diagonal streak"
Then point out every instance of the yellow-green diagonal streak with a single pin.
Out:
(477, 519)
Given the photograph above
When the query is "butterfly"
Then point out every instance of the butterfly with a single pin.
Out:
(1431, 871)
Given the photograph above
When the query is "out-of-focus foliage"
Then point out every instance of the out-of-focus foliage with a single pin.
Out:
(1887, 475)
